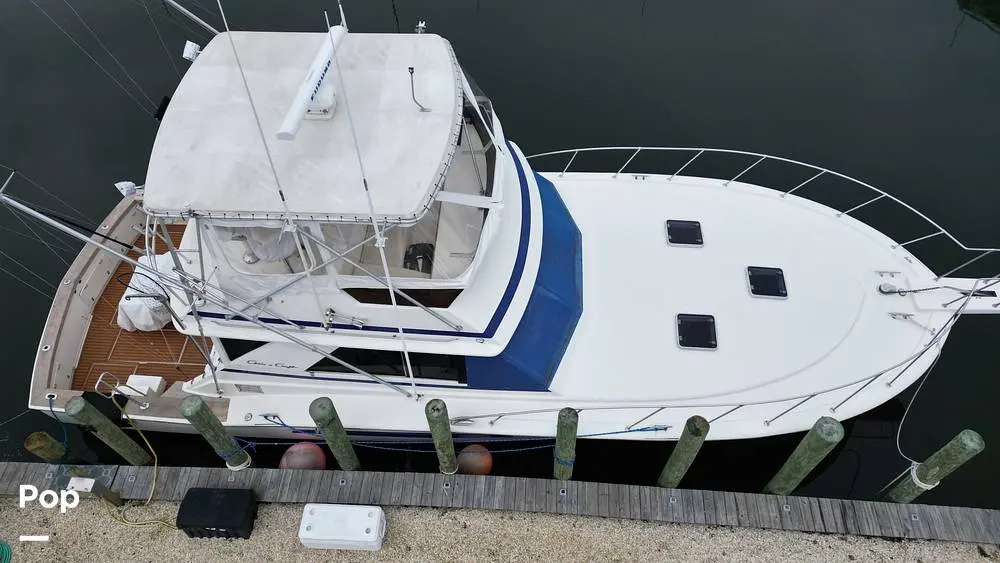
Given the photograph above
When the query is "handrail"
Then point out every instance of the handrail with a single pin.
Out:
(939, 230)
(731, 407)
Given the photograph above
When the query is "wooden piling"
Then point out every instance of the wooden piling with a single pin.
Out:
(818, 442)
(208, 425)
(963, 447)
(564, 455)
(328, 423)
(440, 426)
(45, 446)
(107, 431)
(692, 437)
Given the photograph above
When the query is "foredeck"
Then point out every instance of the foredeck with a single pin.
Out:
(107, 348)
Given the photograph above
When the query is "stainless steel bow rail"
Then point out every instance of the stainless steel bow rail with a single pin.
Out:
(815, 172)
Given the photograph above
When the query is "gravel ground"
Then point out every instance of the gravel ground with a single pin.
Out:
(88, 534)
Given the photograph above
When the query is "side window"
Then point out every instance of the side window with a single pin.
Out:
(388, 362)
(236, 348)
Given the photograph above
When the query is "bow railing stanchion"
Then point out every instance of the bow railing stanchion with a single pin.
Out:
(964, 264)
(856, 207)
(854, 393)
(918, 239)
(681, 169)
(615, 175)
(788, 410)
(726, 413)
(745, 170)
(645, 418)
(818, 174)
(571, 159)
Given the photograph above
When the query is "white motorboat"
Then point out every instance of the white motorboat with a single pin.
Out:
(340, 214)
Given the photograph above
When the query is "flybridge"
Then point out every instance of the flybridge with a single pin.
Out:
(209, 158)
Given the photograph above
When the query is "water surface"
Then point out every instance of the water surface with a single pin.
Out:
(904, 95)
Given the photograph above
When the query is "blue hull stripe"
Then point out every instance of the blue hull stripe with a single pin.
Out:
(498, 315)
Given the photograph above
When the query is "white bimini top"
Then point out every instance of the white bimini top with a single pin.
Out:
(209, 158)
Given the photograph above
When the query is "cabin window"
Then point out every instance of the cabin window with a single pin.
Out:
(267, 250)
(696, 331)
(766, 282)
(235, 348)
(434, 298)
(390, 362)
(440, 246)
(684, 233)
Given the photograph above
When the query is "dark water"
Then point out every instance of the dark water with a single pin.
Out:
(903, 94)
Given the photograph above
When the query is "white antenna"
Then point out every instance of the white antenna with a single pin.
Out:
(313, 93)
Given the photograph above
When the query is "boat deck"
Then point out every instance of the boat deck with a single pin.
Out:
(107, 348)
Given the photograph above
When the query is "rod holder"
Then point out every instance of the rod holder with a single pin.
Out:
(413, 92)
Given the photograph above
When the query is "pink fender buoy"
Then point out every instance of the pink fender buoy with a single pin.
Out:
(475, 459)
(304, 455)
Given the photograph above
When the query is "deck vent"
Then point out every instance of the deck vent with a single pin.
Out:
(685, 233)
(767, 282)
(696, 331)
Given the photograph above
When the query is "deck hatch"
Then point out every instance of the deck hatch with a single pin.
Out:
(685, 233)
(696, 331)
(767, 282)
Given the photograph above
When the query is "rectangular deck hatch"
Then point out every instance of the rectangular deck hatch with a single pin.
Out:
(686, 233)
(696, 331)
(767, 282)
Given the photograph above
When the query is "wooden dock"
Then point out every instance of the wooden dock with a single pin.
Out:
(683, 506)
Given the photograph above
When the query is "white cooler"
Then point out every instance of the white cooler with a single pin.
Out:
(342, 526)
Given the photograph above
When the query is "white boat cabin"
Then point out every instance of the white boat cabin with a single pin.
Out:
(392, 136)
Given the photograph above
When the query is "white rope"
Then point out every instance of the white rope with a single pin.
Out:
(89, 56)
(163, 43)
(73, 209)
(32, 287)
(31, 238)
(108, 51)
(199, 33)
(253, 108)
(202, 7)
(926, 376)
(916, 480)
(47, 245)
(27, 269)
(379, 237)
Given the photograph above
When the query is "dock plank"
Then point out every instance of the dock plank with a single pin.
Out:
(833, 520)
(458, 485)
(499, 485)
(542, 495)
